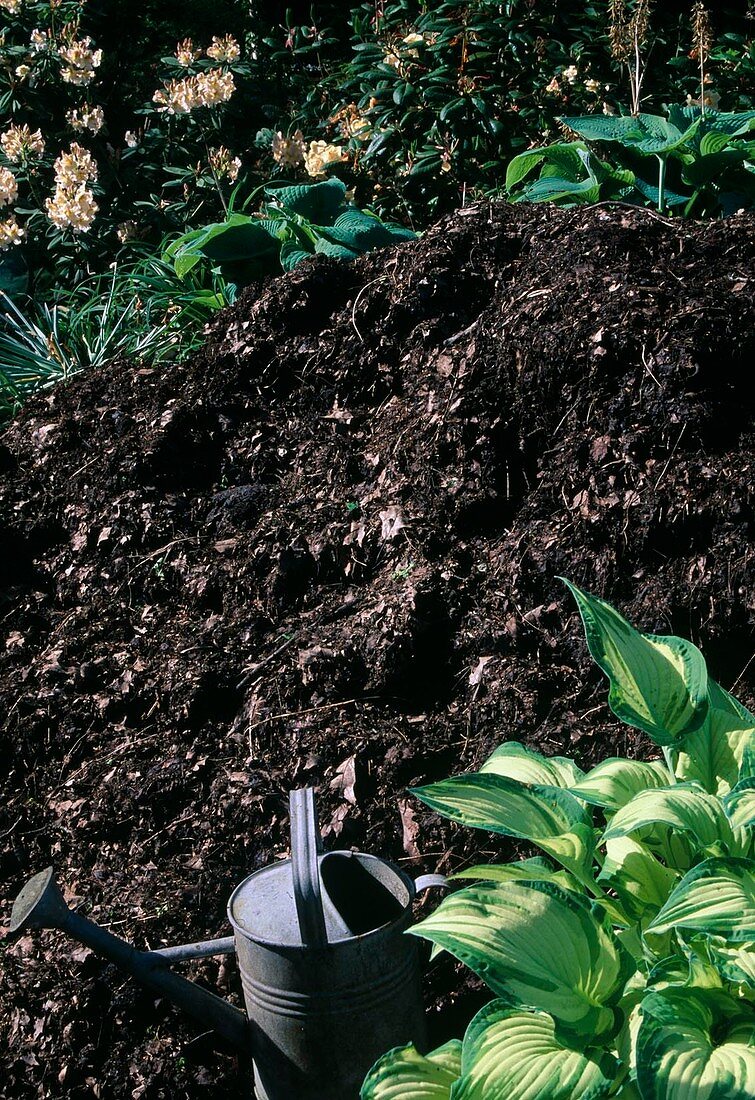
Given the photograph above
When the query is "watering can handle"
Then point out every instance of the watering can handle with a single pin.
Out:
(306, 844)
(424, 882)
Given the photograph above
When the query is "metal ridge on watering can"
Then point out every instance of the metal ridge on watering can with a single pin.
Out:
(330, 981)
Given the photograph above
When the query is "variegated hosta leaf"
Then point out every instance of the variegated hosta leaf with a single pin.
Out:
(513, 1052)
(616, 781)
(526, 870)
(713, 754)
(734, 962)
(740, 805)
(515, 761)
(658, 683)
(641, 882)
(549, 816)
(695, 1044)
(546, 947)
(717, 898)
(404, 1074)
(684, 809)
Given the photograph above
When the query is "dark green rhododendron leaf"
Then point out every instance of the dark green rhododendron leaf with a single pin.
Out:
(404, 1074)
(716, 898)
(658, 683)
(545, 947)
(514, 1052)
(695, 1044)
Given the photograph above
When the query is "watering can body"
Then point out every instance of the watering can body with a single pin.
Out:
(322, 1015)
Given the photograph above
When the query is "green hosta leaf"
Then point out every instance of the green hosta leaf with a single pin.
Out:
(658, 684)
(695, 1044)
(292, 254)
(684, 809)
(735, 962)
(716, 898)
(515, 761)
(616, 781)
(536, 869)
(713, 142)
(620, 128)
(320, 203)
(641, 882)
(362, 231)
(747, 766)
(740, 805)
(644, 133)
(334, 249)
(404, 1074)
(521, 166)
(549, 816)
(501, 805)
(514, 1052)
(546, 947)
(652, 192)
(713, 754)
(557, 189)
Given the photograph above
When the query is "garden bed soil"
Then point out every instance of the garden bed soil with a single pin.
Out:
(325, 551)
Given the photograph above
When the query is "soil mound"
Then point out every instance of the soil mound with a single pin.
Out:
(325, 551)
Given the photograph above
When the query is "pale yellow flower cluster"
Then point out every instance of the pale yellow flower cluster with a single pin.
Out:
(351, 122)
(11, 233)
(289, 151)
(13, 7)
(570, 74)
(224, 165)
(131, 138)
(38, 40)
(179, 97)
(225, 49)
(86, 117)
(80, 61)
(592, 85)
(397, 56)
(186, 55)
(8, 187)
(72, 205)
(19, 141)
(22, 71)
(320, 156)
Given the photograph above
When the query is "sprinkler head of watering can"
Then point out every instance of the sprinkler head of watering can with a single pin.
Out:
(39, 905)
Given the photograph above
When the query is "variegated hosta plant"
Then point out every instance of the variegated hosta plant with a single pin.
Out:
(623, 959)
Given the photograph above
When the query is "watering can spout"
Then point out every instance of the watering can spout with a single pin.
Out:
(40, 904)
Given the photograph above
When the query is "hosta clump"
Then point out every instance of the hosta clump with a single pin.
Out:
(690, 162)
(623, 959)
(296, 222)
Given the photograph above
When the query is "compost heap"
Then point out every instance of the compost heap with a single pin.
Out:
(325, 552)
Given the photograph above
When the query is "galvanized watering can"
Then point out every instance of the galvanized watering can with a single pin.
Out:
(330, 983)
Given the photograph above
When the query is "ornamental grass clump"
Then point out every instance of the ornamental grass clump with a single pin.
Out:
(621, 959)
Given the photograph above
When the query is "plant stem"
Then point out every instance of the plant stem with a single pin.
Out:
(661, 184)
(668, 757)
